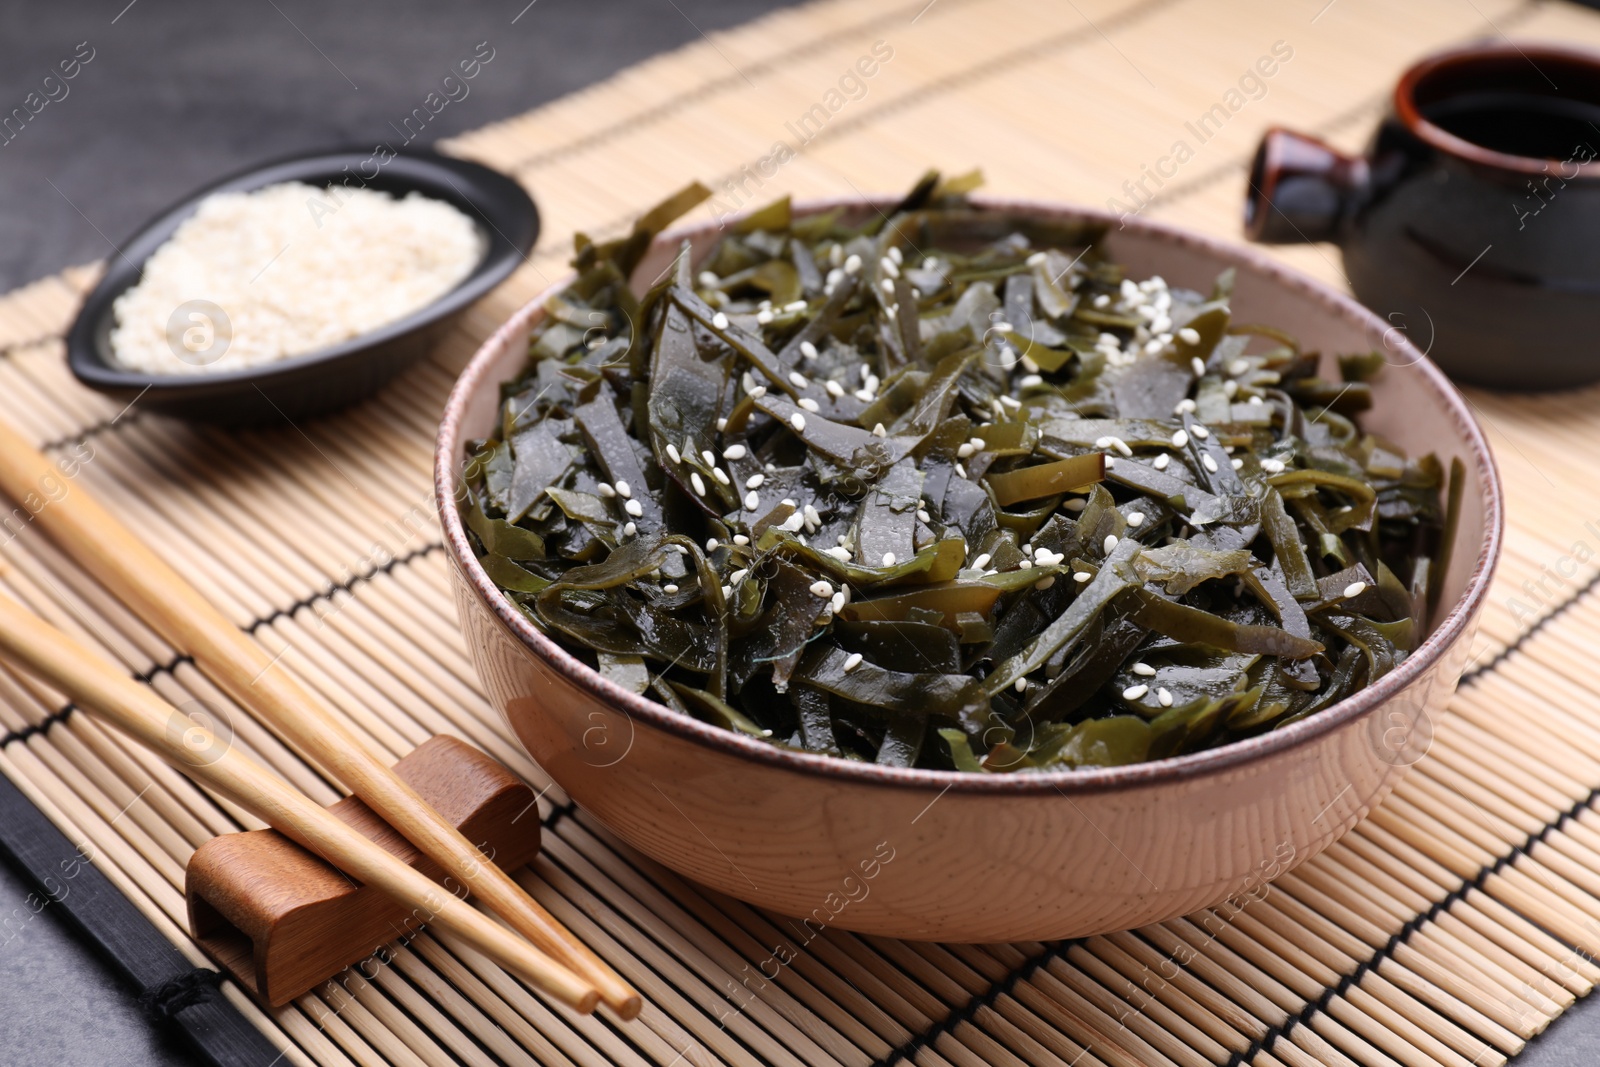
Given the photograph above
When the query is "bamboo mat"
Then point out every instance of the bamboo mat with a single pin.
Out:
(1449, 928)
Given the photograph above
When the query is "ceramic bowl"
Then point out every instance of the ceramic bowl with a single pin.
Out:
(317, 382)
(946, 856)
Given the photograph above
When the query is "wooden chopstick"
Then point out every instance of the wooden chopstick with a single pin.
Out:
(245, 671)
(94, 684)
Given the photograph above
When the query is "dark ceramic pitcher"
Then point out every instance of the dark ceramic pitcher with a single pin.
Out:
(1473, 220)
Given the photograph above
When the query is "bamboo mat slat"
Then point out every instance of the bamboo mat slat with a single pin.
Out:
(1447, 930)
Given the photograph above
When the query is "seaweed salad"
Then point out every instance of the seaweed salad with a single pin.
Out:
(945, 488)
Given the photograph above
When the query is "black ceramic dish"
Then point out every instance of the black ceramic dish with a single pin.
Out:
(317, 382)
(1472, 222)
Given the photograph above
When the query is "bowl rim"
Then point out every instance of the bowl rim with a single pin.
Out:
(1066, 782)
(501, 255)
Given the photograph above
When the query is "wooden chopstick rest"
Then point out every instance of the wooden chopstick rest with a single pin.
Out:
(281, 920)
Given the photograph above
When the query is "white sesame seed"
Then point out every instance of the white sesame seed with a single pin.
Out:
(822, 589)
(1355, 589)
(813, 518)
(1144, 669)
(1200, 431)
(624, 490)
(1081, 576)
(1208, 463)
(727, 592)
(1180, 439)
(795, 305)
(1184, 406)
(708, 280)
(673, 454)
(721, 475)
(1162, 461)
(738, 576)
(852, 264)
(1135, 518)
(1121, 446)
(734, 452)
(720, 321)
(764, 317)
(1046, 582)
(961, 470)
(798, 421)
(838, 552)
(896, 255)
(1189, 335)
(964, 450)
(1111, 461)
(1272, 466)
(809, 404)
(800, 380)
(634, 508)
(606, 490)
(757, 393)
(866, 396)
(888, 559)
(1022, 684)
(889, 267)
(709, 456)
(1134, 692)
(1198, 365)
(1035, 259)
(878, 430)
(1102, 301)
(751, 501)
(669, 588)
(808, 350)
(1028, 381)
(630, 529)
(1164, 698)
(1026, 565)
(1238, 464)
(886, 285)
(711, 544)
(1075, 505)
(1238, 366)
(754, 481)
(835, 390)
(698, 483)
(836, 604)
(722, 424)
(852, 661)
(922, 513)
(1110, 543)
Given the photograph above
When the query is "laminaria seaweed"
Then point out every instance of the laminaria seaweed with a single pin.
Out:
(947, 489)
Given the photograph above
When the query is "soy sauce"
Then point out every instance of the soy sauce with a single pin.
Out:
(1517, 123)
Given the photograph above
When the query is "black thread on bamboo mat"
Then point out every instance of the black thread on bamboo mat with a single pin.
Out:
(1402, 935)
(161, 1002)
(63, 713)
(964, 1014)
(92, 430)
(44, 724)
(345, 586)
(1556, 612)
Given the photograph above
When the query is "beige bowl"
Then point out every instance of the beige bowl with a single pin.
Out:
(954, 857)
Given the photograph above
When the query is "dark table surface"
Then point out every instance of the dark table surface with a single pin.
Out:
(177, 94)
